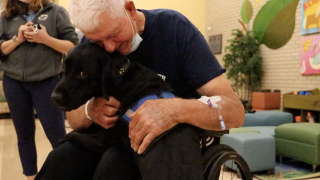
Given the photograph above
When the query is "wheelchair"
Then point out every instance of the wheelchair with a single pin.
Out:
(215, 155)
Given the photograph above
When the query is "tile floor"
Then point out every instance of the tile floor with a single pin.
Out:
(10, 166)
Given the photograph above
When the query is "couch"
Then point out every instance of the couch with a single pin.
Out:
(254, 141)
(299, 141)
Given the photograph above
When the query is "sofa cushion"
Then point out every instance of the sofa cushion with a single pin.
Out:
(242, 129)
(299, 141)
(308, 133)
(267, 118)
(268, 130)
(258, 150)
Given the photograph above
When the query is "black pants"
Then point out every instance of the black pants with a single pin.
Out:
(22, 98)
(174, 156)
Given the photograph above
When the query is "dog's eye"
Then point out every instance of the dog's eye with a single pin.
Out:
(83, 74)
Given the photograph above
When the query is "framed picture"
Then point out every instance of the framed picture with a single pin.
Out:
(310, 17)
(310, 55)
(215, 43)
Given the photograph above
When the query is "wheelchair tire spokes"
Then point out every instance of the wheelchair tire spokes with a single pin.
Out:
(238, 161)
(215, 159)
(210, 155)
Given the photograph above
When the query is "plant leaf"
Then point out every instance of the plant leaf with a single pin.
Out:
(246, 11)
(274, 23)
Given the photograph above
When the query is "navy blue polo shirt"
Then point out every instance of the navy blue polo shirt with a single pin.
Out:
(176, 50)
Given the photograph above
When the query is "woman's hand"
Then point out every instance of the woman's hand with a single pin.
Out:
(23, 28)
(39, 36)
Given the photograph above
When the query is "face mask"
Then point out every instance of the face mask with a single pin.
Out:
(135, 42)
(136, 38)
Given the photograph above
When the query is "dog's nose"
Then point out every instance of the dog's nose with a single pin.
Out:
(57, 99)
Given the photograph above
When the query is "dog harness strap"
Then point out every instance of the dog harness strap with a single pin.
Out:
(164, 94)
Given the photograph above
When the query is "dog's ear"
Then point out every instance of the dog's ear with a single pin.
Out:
(111, 77)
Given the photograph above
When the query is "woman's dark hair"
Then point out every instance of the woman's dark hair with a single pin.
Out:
(15, 7)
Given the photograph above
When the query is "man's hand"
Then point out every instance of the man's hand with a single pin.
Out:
(151, 119)
(104, 112)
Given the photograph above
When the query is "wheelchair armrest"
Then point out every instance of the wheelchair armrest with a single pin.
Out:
(210, 137)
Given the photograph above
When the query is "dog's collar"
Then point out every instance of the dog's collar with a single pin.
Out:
(164, 94)
(124, 68)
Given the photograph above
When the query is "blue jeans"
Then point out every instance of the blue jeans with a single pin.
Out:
(23, 98)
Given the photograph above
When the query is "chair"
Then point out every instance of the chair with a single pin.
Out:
(299, 141)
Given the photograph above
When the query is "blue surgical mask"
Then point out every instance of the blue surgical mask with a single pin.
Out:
(136, 40)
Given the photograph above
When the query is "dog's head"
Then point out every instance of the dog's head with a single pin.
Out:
(88, 71)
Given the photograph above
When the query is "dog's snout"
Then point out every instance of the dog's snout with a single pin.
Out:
(57, 98)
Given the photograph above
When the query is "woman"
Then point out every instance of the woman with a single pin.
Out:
(31, 60)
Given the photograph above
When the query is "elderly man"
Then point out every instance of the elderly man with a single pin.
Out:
(170, 45)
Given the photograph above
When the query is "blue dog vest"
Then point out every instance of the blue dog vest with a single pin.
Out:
(163, 95)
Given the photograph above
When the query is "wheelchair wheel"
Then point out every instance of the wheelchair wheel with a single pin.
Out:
(220, 154)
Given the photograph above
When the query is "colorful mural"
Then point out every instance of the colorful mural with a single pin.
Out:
(274, 24)
(310, 16)
(310, 55)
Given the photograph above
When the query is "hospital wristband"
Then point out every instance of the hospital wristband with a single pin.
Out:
(86, 110)
(213, 102)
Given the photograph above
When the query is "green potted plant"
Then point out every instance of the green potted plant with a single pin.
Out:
(273, 26)
(243, 63)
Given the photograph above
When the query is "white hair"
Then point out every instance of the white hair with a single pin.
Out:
(85, 13)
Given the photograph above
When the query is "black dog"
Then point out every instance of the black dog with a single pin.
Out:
(90, 71)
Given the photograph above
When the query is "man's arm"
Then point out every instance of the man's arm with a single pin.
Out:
(154, 117)
(231, 110)
(157, 116)
(77, 119)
